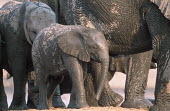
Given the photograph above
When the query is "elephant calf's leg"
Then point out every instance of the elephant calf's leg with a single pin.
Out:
(136, 80)
(74, 67)
(42, 83)
(3, 98)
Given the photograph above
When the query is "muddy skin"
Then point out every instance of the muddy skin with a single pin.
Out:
(17, 29)
(56, 44)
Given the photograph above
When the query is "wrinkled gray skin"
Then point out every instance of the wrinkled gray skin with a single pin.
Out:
(61, 48)
(117, 64)
(79, 12)
(130, 27)
(145, 25)
(18, 28)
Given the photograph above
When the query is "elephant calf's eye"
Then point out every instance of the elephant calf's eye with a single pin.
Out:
(95, 46)
(34, 32)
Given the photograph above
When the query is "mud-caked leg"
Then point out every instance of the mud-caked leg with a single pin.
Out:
(162, 89)
(32, 100)
(74, 67)
(53, 92)
(42, 83)
(57, 101)
(3, 98)
(108, 96)
(18, 66)
(136, 80)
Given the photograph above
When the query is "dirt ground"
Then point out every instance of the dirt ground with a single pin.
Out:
(95, 109)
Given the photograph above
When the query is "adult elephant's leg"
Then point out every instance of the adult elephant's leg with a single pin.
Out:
(18, 67)
(57, 101)
(108, 96)
(32, 100)
(89, 90)
(136, 80)
(74, 66)
(162, 89)
(3, 98)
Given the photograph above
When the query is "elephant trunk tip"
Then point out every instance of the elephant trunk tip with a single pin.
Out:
(97, 96)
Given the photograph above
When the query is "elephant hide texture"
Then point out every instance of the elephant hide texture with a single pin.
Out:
(51, 33)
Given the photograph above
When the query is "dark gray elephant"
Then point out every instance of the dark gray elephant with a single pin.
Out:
(113, 18)
(61, 48)
(130, 27)
(18, 28)
(85, 16)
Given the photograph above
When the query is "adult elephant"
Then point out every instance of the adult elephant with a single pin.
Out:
(19, 25)
(130, 28)
(80, 13)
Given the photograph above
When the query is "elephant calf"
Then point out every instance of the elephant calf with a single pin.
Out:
(61, 48)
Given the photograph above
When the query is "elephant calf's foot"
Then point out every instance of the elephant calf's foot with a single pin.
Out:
(158, 107)
(136, 103)
(78, 104)
(58, 103)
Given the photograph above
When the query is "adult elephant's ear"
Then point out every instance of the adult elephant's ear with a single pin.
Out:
(74, 44)
(24, 16)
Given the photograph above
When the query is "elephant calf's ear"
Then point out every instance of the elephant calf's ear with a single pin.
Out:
(73, 44)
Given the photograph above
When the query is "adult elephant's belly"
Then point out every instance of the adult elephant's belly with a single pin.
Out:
(129, 41)
(124, 26)
(122, 22)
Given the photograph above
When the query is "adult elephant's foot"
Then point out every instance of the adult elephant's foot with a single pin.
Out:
(162, 95)
(3, 98)
(77, 103)
(42, 107)
(31, 104)
(18, 106)
(136, 80)
(160, 107)
(109, 97)
(136, 103)
(57, 102)
(3, 106)
(3, 103)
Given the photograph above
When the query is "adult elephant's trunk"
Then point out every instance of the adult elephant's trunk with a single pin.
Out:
(104, 72)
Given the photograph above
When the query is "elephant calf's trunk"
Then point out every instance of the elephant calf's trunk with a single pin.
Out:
(104, 72)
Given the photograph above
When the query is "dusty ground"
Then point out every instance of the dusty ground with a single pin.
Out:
(117, 84)
(96, 109)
